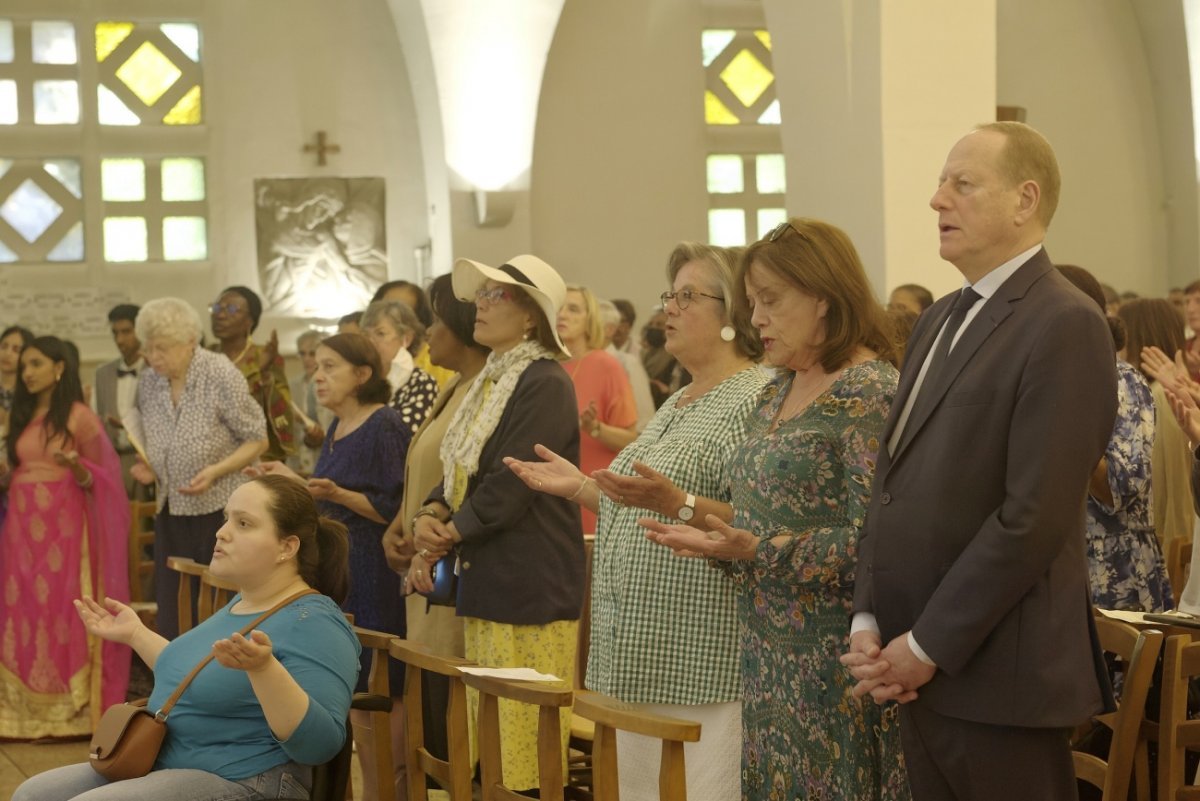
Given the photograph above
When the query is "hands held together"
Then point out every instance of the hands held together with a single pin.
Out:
(887, 674)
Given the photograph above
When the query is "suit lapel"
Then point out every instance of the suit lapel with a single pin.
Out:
(914, 356)
(995, 310)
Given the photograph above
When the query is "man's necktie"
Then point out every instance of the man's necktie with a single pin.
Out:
(937, 361)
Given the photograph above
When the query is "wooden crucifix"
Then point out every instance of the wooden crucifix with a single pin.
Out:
(321, 148)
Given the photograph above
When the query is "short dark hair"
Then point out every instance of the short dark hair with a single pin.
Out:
(423, 310)
(253, 303)
(358, 350)
(457, 315)
(123, 311)
(353, 317)
(1086, 283)
(26, 334)
(922, 295)
(628, 313)
(1192, 287)
(1150, 321)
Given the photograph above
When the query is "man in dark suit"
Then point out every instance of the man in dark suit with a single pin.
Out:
(971, 602)
(115, 388)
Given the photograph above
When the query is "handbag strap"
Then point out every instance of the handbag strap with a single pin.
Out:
(249, 627)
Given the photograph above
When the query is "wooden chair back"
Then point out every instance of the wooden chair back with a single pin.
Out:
(1179, 563)
(609, 715)
(1177, 734)
(1138, 655)
(454, 773)
(141, 550)
(549, 700)
(213, 592)
(377, 701)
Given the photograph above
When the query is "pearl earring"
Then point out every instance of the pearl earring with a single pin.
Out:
(727, 333)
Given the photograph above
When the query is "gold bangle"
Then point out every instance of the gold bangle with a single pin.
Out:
(577, 492)
(427, 511)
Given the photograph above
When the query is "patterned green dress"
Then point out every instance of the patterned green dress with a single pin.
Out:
(805, 736)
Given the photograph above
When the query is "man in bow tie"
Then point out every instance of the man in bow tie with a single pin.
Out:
(115, 388)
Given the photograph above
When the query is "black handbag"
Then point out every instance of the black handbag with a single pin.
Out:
(444, 575)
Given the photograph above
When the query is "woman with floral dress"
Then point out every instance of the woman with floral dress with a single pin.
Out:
(800, 485)
(1125, 562)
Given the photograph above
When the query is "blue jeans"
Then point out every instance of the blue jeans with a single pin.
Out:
(82, 783)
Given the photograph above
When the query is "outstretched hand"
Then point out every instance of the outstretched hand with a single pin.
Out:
(114, 621)
(723, 541)
(240, 653)
(649, 489)
(554, 475)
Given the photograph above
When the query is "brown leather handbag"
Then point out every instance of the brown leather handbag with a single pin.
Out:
(127, 741)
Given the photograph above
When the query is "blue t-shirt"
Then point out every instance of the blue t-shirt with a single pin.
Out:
(218, 724)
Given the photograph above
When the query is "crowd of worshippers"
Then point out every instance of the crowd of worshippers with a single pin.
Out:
(791, 519)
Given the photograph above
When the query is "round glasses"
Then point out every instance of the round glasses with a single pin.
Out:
(684, 297)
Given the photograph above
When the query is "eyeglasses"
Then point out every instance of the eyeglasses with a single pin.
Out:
(684, 297)
(229, 308)
(781, 229)
(492, 296)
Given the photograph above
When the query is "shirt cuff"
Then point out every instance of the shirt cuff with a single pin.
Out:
(864, 621)
(919, 652)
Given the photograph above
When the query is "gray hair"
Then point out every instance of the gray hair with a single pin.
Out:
(311, 335)
(609, 313)
(721, 266)
(399, 316)
(169, 320)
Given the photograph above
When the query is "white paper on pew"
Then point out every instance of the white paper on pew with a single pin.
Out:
(1138, 618)
(517, 674)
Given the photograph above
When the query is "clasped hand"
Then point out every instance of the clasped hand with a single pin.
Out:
(886, 674)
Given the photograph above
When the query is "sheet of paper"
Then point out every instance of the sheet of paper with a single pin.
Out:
(518, 674)
(1125, 617)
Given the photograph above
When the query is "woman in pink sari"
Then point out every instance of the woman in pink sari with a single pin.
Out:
(64, 537)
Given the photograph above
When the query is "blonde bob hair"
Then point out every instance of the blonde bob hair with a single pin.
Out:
(594, 326)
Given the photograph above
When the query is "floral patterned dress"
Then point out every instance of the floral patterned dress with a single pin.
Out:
(1125, 562)
(809, 480)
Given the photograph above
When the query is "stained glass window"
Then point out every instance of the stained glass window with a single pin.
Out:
(149, 73)
(43, 210)
(746, 196)
(769, 173)
(178, 210)
(740, 78)
(727, 227)
(55, 102)
(182, 179)
(54, 43)
(725, 174)
(125, 239)
(123, 179)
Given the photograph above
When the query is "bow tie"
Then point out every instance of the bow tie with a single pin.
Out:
(131, 371)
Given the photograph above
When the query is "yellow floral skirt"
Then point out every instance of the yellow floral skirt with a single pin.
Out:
(548, 648)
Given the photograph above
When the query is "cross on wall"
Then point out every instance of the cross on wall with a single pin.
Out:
(321, 148)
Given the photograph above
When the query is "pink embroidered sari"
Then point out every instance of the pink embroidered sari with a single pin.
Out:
(59, 542)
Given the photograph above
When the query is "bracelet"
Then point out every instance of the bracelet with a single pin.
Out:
(425, 511)
(577, 492)
(87, 482)
(595, 432)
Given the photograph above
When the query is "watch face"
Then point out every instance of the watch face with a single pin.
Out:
(686, 513)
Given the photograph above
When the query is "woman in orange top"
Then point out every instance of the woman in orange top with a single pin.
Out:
(607, 412)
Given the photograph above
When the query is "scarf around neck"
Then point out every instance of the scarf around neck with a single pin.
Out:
(476, 419)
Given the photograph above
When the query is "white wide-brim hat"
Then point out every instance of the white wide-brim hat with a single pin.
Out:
(529, 273)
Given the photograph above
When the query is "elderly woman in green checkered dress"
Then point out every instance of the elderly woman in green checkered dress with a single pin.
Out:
(664, 630)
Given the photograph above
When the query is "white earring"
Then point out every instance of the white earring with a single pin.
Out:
(727, 333)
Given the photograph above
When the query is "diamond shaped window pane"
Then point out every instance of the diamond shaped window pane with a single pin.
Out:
(8, 102)
(113, 110)
(54, 43)
(124, 239)
(185, 238)
(725, 174)
(746, 77)
(185, 36)
(55, 102)
(148, 73)
(768, 219)
(770, 175)
(30, 210)
(764, 37)
(70, 247)
(727, 227)
(712, 42)
(67, 172)
(182, 179)
(123, 179)
(6, 41)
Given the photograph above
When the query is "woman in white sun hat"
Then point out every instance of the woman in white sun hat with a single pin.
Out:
(520, 552)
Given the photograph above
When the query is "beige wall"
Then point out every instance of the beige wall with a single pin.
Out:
(1079, 67)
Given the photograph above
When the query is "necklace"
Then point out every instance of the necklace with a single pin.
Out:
(783, 413)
